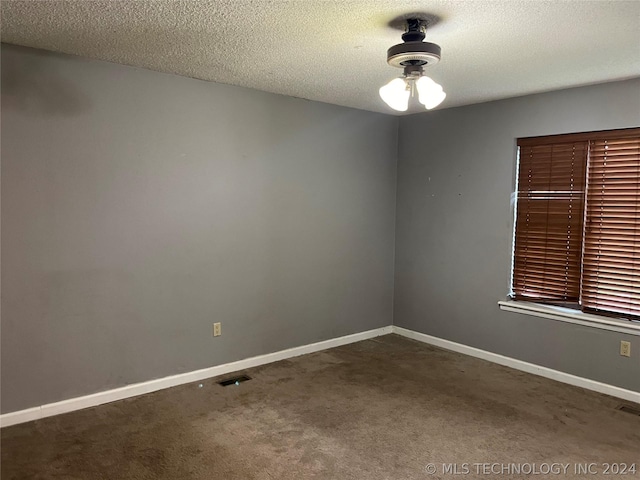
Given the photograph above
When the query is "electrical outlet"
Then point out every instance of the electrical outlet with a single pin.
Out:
(625, 349)
(217, 329)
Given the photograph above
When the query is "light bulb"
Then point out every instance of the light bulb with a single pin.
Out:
(396, 94)
(430, 94)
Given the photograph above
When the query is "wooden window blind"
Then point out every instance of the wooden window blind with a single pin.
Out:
(577, 237)
(548, 243)
(611, 277)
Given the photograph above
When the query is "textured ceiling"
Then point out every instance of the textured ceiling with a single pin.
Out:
(335, 50)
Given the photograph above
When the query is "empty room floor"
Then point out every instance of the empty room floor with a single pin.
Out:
(387, 408)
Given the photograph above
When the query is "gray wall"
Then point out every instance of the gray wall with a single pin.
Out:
(456, 170)
(138, 208)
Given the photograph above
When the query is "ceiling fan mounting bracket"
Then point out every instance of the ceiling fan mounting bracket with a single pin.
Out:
(415, 30)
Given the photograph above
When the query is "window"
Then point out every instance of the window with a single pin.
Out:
(577, 229)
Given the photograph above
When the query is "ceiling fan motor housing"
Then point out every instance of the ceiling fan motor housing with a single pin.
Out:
(414, 52)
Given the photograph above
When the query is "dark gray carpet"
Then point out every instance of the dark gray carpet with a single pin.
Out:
(379, 409)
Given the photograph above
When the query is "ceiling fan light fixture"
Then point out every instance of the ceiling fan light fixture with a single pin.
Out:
(396, 94)
(430, 93)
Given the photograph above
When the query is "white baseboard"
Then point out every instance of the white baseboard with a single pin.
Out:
(563, 377)
(136, 389)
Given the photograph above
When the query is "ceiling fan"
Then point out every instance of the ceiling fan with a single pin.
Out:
(412, 56)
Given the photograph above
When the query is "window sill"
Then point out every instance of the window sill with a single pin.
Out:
(571, 316)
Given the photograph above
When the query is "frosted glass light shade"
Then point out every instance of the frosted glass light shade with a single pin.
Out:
(396, 94)
(430, 94)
